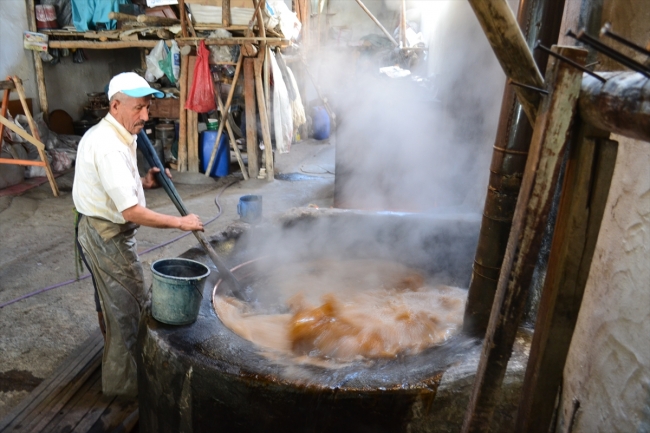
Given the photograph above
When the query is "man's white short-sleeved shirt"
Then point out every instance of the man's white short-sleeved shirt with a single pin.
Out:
(106, 180)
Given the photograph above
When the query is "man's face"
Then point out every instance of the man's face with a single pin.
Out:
(132, 113)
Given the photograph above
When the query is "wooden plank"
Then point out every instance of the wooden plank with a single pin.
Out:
(252, 147)
(38, 64)
(184, 17)
(119, 417)
(77, 407)
(550, 134)
(7, 85)
(182, 123)
(508, 43)
(192, 142)
(264, 121)
(56, 400)
(225, 13)
(582, 204)
(224, 115)
(150, 43)
(68, 369)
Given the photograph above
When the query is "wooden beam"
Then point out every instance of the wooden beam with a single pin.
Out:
(158, 21)
(376, 21)
(184, 18)
(38, 65)
(509, 45)
(252, 148)
(551, 129)
(113, 45)
(225, 13)
(182, 121)
(192, 125)
(7, 85)
(264, 120)
(620, 105)
(582, 204)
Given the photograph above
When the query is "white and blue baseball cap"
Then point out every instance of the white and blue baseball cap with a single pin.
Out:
(133, 85)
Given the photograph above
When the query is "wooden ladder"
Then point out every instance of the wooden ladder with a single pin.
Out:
(14, 83)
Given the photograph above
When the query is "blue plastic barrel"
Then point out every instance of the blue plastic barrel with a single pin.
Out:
(221, 165)
(320, 123)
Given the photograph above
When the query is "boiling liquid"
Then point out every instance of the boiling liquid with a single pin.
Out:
(347, 310)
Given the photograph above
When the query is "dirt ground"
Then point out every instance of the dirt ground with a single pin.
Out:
(37, 252)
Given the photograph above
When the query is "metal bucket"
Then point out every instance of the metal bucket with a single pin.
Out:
(177, 290)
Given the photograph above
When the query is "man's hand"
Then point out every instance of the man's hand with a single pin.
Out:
(191, 222)
(149, 181)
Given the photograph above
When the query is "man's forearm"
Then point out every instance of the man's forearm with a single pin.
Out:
(146, 217)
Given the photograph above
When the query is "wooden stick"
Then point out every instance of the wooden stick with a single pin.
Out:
(193, 142)
(38, 65)
(402, 25)
(111, 45)
(158, 21)
(32, 125)
(225, 13)
(376, 21)
(182, 121)
(224, 115)
(184, 18)
(231, 136)
(535, 197)
(264, 121)
(509, 45)
(3, 108)
(252, 147)
(118, 16)
(582, 204)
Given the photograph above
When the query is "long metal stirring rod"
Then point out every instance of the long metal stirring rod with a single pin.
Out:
(152, 158)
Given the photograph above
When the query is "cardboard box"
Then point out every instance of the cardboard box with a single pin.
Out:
(35, 41)
(167, 108)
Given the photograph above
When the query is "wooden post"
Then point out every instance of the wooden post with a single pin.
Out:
(38, 65)
(225, 13)
(509, 45)
(192, 121)
(264, 121)
(182, 121)
(181, 11)
(587, 179)
(252, 148)
(551, 129)
(402, 25)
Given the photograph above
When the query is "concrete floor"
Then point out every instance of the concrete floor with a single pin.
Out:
(36, 252)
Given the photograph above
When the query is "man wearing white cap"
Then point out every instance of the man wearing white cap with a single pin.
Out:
(108, 195)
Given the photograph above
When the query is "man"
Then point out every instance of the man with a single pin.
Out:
(108, 195)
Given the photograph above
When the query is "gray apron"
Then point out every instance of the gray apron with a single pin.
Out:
(110, 252)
